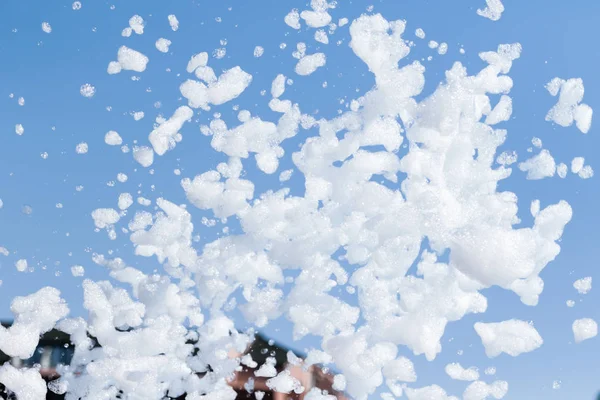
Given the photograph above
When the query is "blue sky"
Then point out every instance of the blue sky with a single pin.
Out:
(47, 70)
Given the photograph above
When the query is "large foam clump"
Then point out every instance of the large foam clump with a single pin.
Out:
(401, 206)
(512, 337)
(569, 108)
(34, 314)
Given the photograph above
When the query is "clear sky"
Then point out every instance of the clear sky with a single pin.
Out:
(47, 70)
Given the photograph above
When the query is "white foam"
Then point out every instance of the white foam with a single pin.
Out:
(569, 108)
(512, 337)
(583, 285)
(165, 136)
(129, 60)
(584, 329)
(112, 138)
(540, 166)
(493, 10)
(310, 63)
(26, 383)
(480, 390)
(162, 45)
(136, 23)
(292, 19)
(456, 371)
(173, 22)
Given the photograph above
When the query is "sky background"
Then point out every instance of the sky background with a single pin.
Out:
(47, 70)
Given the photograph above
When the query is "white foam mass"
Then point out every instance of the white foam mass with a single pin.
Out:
(143, 155)
(87, 90)
(480, 390)
(26, 383)
(428, 393)
(583, 285)
(540, 166)
(390, 184)
(456, 371)
(569, 108)
(310, 63)
(584, 329)
(162, 45)
(136, 23)
(493, 10)
(173, 22)
(34, 315)
(113, 138)
(81, 148)
(165, 136)
(227, 87)
(512, 337)
(292, 19)
(128, 60)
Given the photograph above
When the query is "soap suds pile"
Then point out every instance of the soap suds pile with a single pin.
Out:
(392, 184)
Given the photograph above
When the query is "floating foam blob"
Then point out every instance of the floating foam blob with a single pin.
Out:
(493, 10)
(164, 137)
(583, 285)
(104, 217)
(480, 390)
(540, 166)
(284, 382)
(258, 51)
(285, 176)
(87, 90)
(569, 108)
(507, 158)
(112, 138)
(34, 315)
(315, 19)
(77, 270)
(278, 86)
(46, 27)
(128, 60)
(586, 172)
(173, 22)
(428, 393)
(136, 23)
(19, 130)
(125, 201)
(321, 36)
(584, 329)
(577, 164)
(144, 155)
(227, 87)
(162, 45)
(21, 265)
(456, 371)
(81, 148)
(310, 63)
(197, 60)
(26, 383)
(292, 19)
(512, 337)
